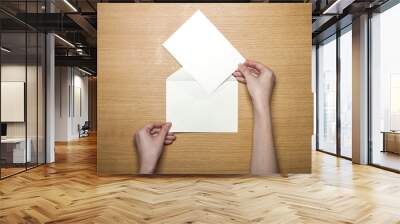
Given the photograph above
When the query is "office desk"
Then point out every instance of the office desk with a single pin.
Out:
(391, 141)
(133, 67)
(13, 150)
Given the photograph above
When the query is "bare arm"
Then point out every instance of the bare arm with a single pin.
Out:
(150, 141)
(263, 161)
(260, 82)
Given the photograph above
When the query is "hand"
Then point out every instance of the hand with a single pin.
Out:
(150, 141)
(260, 81)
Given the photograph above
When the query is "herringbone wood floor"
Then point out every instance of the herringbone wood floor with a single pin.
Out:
(70, 192)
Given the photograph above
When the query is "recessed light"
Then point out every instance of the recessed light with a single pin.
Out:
(64, 40)
(5, 50)
(70, 5)
(84, 71)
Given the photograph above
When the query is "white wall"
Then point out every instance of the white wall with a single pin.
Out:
(69, 84)
(16, 73)
(33, 127)
(81, 94)
(62, 82)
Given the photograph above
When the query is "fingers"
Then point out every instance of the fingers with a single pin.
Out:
(169, 139)
(241, 80)
(237, 74)
(246, 72)
(256, 65)
(243, 70)
(165, 129)
(153, 125)
(156, 131)
(239, 77)
(254, 71)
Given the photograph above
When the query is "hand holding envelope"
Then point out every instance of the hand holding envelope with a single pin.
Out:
(202, 96)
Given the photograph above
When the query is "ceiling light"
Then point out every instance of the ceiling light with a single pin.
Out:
(5, 50)
(65, 41)
(338, 6)
(70, 5)
(84, 71)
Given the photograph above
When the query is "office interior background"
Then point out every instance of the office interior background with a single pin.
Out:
(333, 74)
(33, 63)
(57, 40)
(48, 81)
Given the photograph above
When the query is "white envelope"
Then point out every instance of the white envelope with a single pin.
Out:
(203, 51)
(191, 109)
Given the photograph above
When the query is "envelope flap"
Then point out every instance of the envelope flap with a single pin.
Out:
(180, 75)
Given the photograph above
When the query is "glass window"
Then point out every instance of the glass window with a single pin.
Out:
(385, 88)
(22, 91)
(314, 91)
(346, 93)
(15, 151)
(327, 96)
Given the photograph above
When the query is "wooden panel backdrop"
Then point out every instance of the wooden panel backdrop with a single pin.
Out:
(133, 67)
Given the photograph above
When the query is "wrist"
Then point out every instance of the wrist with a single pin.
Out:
(260, 106)
(147, 167)
(146, 170)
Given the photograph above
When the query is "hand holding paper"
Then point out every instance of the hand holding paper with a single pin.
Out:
(201, 96)
(260, 81)
(204, 52)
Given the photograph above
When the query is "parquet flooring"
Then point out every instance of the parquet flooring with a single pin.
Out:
(69, 191)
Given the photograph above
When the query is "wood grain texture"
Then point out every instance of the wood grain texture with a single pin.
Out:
(69, 191)
(392, 142)
(133, 67)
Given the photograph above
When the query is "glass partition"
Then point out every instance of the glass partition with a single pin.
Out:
(327, 95)
(346, 93)
(31, 99)
(13, 94)
(22, 88)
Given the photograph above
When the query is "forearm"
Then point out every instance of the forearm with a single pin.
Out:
(263, 160)
(147, 164)
(146, 168)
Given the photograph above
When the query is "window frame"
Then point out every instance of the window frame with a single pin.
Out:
(334, 37)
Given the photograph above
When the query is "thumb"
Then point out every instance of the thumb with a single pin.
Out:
(246, 72)
(164, 130)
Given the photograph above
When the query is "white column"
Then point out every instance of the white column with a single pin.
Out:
(50, 100)
(360, 90)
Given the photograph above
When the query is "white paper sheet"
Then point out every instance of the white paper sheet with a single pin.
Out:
(191, 109)
(204, 52)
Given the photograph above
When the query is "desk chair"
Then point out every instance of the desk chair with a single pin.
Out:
(84, 130)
